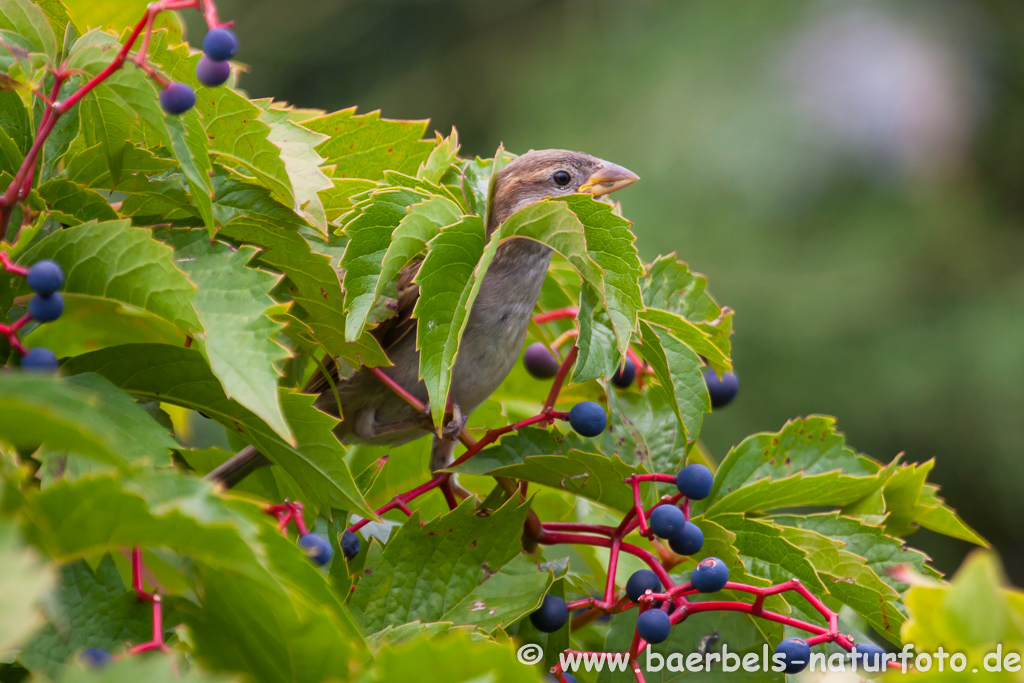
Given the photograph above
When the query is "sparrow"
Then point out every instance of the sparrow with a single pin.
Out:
(495, 330)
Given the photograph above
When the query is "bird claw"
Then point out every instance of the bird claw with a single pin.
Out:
(452, 426)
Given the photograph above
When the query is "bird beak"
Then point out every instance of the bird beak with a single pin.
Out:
(607, 178)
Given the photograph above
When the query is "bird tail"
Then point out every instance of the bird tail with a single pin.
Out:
(238, 467)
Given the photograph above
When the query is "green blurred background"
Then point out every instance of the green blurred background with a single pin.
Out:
(849, 176)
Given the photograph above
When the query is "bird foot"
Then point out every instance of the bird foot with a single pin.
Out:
(454, 426)
(454, 422)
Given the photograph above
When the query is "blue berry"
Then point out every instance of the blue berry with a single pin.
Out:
(722, 391)
(220, 44)
(211, 73)
(539, 361)
(40, 359)
(640, 582)
(623, 377)
(95, 658)
(318, 548)
(710, 576)
(869, 655)
(654, 626)
(45, 277)
(695, 481)
(349, 544)
(177, 98)
(588, 418)
(46, 309)
(550, 678)
(796, 654)
(688, 540)
(551, 616)
(667, 520)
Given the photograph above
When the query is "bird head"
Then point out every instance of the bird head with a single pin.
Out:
(553, 173)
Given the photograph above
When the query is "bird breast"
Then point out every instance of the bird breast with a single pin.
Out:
(498, 322)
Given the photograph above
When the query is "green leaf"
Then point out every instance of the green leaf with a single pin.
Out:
(120, 263)
(26, 580)
(232, 299)
(766, 553)
(28, 21)
(428, 572)
(448, 281)
(316, 288)
(91, 609)
(644, 429)
(369, 232)
(596, 339)
(240, 138)
(850, 581)
(672, 287)
(610, 245)
(690, 334)
(302, 163)
(680, 380)
(420, 225)
(245, 627)
(73, 204)
(910, 501)
(149, 669)
(806, 463)
(89, 166)
(364, 146)
(545, 459)
(181, 377)
(881, 552)
(84, 415)
(454, 657)
(444, 154)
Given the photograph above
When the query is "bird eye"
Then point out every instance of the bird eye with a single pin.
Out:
(561, 178)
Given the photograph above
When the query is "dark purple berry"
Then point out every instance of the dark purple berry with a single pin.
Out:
(46, 309)
(220, 44)
(869, 655)
(317, 548)
(796, 654)
(40, 359)
(695, 481)
(667, 520)
(710, 575)
(211, 73)
(45, 277)
(688, 540)
(722, 391)
(640, 582)
(95, 658)
(349, 545)
(623, 377)
(177, 98)
(539, 361)
(551, 616)
(654, 626)
(588, 418)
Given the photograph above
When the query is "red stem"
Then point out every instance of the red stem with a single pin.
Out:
(560, 377)
(557, 314)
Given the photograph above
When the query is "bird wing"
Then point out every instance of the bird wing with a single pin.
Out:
(388, 332)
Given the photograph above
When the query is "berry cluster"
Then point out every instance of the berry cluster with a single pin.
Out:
(213, 69)
(45, 306)
(660, 601)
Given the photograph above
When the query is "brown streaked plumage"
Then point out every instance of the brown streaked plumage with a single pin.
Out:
(494, 333)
